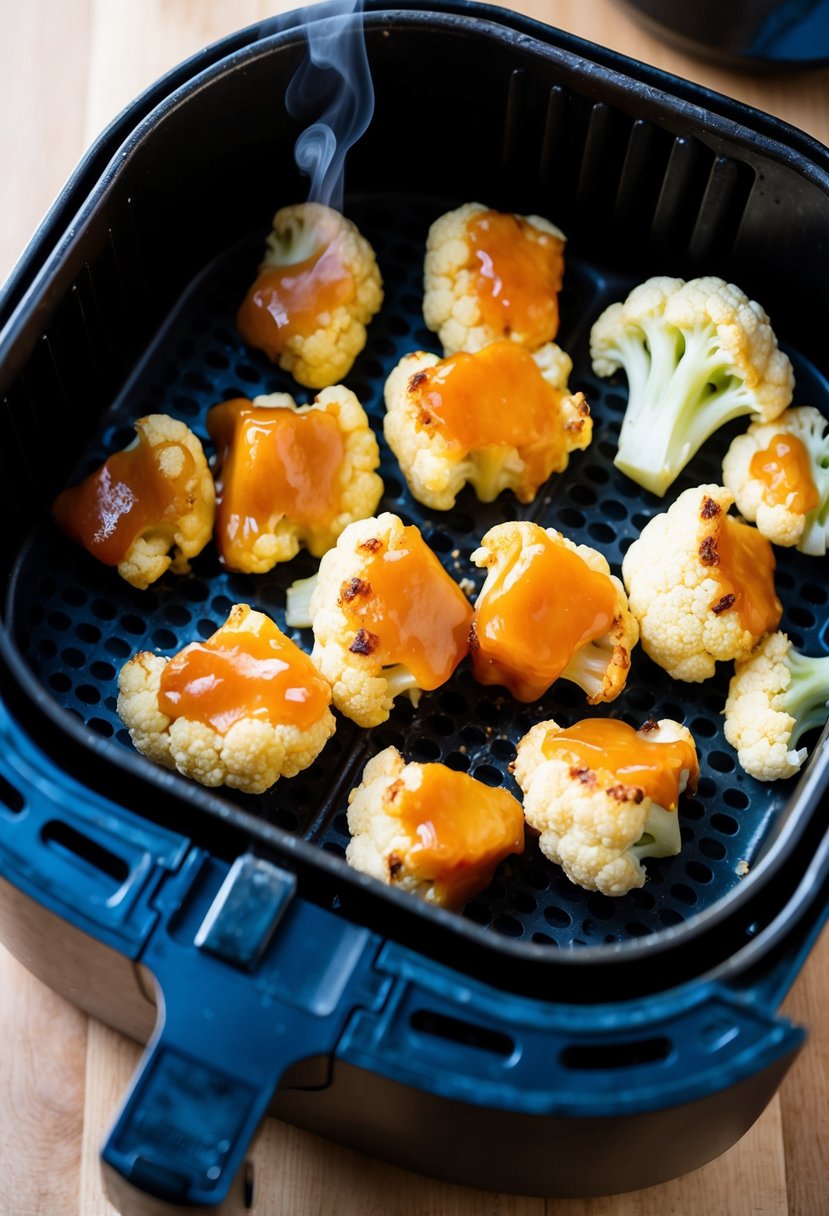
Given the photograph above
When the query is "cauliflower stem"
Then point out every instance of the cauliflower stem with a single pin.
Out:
(807, 696)
(660, 834)
(298, 606)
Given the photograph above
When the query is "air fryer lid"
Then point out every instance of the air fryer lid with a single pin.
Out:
(641, 185)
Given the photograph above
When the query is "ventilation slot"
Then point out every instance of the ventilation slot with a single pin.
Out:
(426, 1021)
(602, 1057)
(95, 859)
(11, 799)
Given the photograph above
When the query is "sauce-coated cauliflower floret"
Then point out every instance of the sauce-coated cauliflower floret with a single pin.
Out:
(491, 275)
(776, 695)
(604, 796)
(549, 609)
(502, 419)
(696, 355)
(290, 475)
(241, 709)
(148, 508)
(429, 830)
(778, 473)
(317, 289)
(700, 584)
(387, 618)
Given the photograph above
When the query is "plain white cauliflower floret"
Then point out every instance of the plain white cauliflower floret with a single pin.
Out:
(349, 656)
(436, 470)
(782, 522)
(450, 303)
(686, 622)
(599, 667)
(323, 350)
(250, 756)
(384, 846)
(183, 496)
(355, 487)
(696, 355)
(591, 824)
(775, 696)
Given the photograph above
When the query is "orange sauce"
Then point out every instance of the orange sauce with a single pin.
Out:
(545, 603)
(745, 572)
(462, 829)
(786, 473)
(406, 609)
(518, 273)
(495, 397)
(289, 300)
(237, 674)
(127, 496)
(272, 463)
(628, 756)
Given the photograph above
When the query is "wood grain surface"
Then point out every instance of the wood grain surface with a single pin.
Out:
(65, 71)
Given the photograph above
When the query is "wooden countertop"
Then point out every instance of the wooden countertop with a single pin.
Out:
(65, 70)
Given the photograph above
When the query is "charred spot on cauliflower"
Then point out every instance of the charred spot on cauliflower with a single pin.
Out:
(776, 696)
(700, 584)
(491, 275)
(386, 616)
(428, 830)
(604, 796)
(778, 473)
(289, 476)
(148, 508)
(241, 709)
(317, 289)
(696, 355)
(549, 609)
(501, 419)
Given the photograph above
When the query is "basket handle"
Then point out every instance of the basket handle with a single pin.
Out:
(252, 981)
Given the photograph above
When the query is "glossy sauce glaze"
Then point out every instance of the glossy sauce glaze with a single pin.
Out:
(135, 491)
(272, 463)
(518, 271)
(742, 562)
(298, 299)
(785, 470)
(629, 756)
(461, 828)
(496, 397)
(244, 674)
(406, 609)
(543, 605)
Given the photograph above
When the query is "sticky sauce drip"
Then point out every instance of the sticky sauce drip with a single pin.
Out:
(462, 830)
(272, 463)
(298, 299)
(237, 674)
(133, 492)
(493, 398)
(633, 761)
(744, 568)
(518, 273)
(544, 604)
(785, 470)
(406, 609)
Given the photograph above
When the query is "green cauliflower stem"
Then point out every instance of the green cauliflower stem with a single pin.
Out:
(775, 697)
(696, 356)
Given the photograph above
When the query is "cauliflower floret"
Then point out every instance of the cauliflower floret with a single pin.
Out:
(502, 419)
(317, 289)
(597, 821)
(549, 609)
(387, 618)
(429, 830)
(776, 695)
(784, 487)
(290, 475)
(491, 275)
(700, 584)
(155, 496)
(241, 709)
(696, 355)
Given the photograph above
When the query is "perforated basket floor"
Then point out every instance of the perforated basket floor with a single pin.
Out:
(77, 622)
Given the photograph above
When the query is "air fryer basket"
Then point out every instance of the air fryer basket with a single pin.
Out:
(135, 314)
